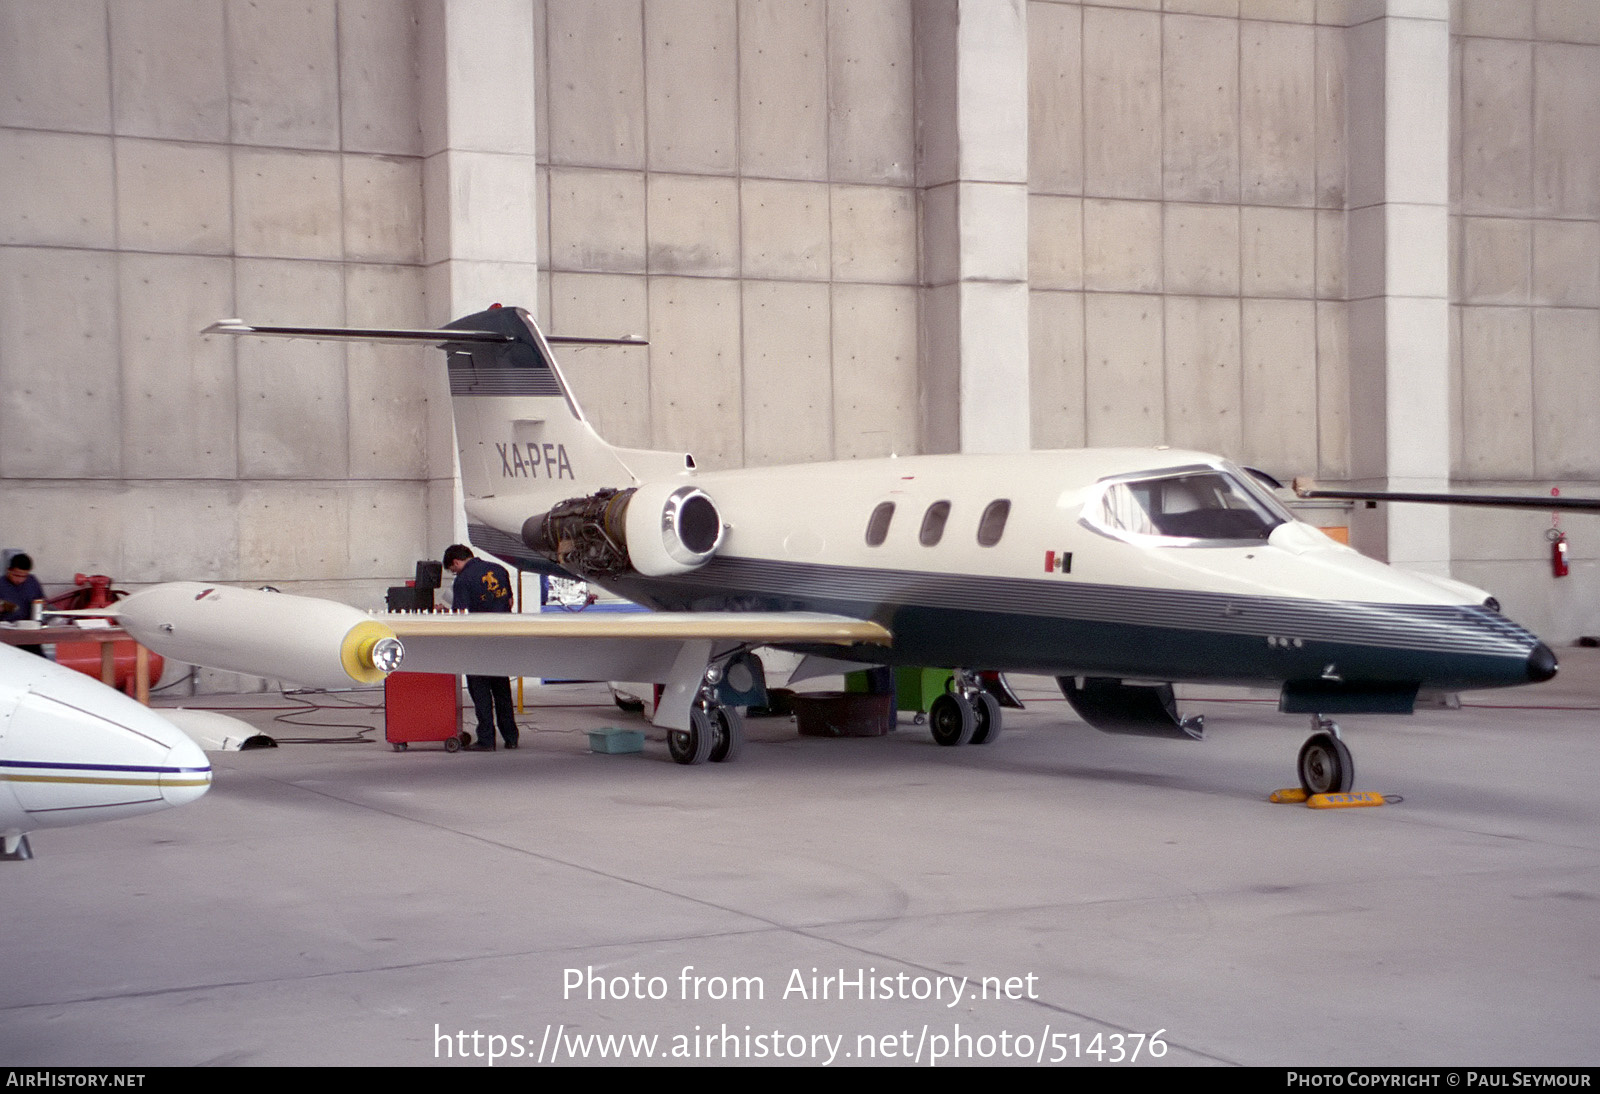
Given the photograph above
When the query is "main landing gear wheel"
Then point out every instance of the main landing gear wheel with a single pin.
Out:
(728, 738)
(951, 719)
(1326, 766)
(986, 714)
(693, 745)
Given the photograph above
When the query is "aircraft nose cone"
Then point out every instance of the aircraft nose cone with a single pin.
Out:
(1541, 664)
(193, 777)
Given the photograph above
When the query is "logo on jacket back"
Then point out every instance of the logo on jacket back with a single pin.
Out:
(493, 589)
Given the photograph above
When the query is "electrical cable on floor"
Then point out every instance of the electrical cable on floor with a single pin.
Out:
(289, 718)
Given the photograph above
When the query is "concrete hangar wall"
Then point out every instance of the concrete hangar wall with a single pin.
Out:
(1350, 237)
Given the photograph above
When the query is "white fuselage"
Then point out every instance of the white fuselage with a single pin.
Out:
(1060, 587)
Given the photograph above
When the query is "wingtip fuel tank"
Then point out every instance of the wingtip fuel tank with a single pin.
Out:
(315, 643)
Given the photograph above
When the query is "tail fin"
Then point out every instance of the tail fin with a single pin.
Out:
(523, 441)
(519, 430)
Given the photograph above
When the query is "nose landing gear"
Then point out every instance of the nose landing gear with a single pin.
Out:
(1325, 764)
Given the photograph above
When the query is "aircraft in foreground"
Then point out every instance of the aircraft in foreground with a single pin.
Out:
(1118, 571)
(73, 751)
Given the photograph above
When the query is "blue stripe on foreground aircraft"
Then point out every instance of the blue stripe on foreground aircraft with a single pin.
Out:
(1118, 571)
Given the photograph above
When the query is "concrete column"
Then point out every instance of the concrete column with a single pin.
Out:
(972, 101)
(479, 184)
(1399, 262)
(479, 177)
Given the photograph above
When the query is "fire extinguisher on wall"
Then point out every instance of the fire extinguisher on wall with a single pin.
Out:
(1558, 552)
(1558, 541)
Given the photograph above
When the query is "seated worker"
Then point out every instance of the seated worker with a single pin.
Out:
(482, 586)
(18, 590)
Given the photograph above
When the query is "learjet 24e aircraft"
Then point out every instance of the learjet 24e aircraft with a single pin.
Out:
(1118, 571)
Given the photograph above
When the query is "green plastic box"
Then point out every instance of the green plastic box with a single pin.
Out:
(613, 741)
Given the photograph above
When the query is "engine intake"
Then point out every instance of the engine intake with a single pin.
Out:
(657, 530)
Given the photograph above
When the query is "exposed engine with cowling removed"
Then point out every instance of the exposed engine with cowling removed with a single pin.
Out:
(656, 529)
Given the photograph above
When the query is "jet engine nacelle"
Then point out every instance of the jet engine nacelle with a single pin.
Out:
(658, 529)
(672, 530)
(312, 642)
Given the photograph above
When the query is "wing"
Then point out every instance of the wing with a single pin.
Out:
(322, 644)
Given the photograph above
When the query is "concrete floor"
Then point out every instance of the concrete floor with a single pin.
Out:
(339, 903)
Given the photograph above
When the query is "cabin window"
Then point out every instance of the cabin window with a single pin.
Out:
(993, 524)
(878, 524)
(1206, 506)
(933, 523)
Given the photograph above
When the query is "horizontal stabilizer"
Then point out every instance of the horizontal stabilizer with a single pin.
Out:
(1307, 489)
(401, 336)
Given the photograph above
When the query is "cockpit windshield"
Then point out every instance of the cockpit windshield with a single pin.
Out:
(1200, 506)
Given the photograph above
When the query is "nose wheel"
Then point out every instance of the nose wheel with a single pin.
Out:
(1326, 766)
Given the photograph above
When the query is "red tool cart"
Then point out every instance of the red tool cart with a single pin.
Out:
(422, 706)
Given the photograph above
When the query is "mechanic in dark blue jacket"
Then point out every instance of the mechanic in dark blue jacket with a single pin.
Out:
(482, 586)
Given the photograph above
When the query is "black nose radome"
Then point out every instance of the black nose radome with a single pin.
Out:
(1541, 664)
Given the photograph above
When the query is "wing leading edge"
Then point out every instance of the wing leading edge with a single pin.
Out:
(762, 627)
(607, 645)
